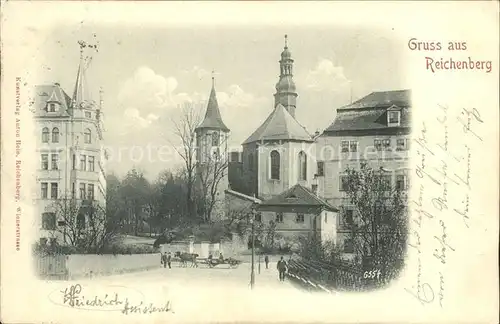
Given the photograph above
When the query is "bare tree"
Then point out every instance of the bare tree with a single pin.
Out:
(83, 224)
(211, 171)
(379, 228)
(185, 130)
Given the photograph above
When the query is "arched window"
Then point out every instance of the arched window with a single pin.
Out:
(45, 135)
(302, 166)
(250, 162)
(55, 135)
(275, 165)
(87, 136)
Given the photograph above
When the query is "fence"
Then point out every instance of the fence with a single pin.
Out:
(320, 276)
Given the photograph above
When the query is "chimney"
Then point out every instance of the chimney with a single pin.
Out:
(314, 189)
(57, 84)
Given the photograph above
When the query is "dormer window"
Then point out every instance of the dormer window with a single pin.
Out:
(393, 116)
(52, 107)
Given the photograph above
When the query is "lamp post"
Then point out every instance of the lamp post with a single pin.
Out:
(252, 274)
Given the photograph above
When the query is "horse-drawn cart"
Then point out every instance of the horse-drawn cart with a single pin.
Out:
(233, 263)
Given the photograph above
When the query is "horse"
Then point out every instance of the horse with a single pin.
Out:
(186, 257)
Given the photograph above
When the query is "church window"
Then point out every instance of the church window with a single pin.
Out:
(302, 166)
(55, 135)
(215, 139)
(45, 135)
(275, 165)
(87, 136)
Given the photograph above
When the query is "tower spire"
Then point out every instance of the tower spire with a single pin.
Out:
(285, 88)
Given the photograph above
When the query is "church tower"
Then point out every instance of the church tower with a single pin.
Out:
(285, 88)
(212, 159)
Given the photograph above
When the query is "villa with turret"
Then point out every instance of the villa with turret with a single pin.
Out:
(71, 155)
(296, 179)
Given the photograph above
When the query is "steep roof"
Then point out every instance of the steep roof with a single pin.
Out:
(279, 125)
(53, 93)
(298, 195)
(369, 113)
(213, 119)
(382, 99)
(81, 93)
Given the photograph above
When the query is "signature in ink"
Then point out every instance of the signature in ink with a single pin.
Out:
(441, 289)
(75, 296)
(469, 114)
(425, 293)
(142, 308)
(466, 181)
(465, 212)
(441, 255)
(420, 210)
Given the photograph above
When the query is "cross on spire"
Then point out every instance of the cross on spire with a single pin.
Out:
(286, 41)
(213, 78)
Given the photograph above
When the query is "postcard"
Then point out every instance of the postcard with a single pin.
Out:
(299, 162)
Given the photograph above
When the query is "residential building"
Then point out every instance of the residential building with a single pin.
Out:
(69, 131)
(375, 130)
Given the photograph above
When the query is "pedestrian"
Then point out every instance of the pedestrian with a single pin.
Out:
(169, 260)
(164, 259)
(266, 260)
(282, 266)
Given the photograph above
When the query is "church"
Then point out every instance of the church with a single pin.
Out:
(294, 178)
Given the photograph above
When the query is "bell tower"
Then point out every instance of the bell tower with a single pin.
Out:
(285, 88)
(212, 158)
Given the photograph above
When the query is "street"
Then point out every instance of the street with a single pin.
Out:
(220, 277)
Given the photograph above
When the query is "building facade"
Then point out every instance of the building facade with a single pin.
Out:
(71, 155)
(375, 130)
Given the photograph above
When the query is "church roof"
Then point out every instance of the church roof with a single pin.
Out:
(45, 94)
(213, 119)
(298, 195)
(370, 112)
(279, 125)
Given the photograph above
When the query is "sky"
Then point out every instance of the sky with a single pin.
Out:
(146, 73)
